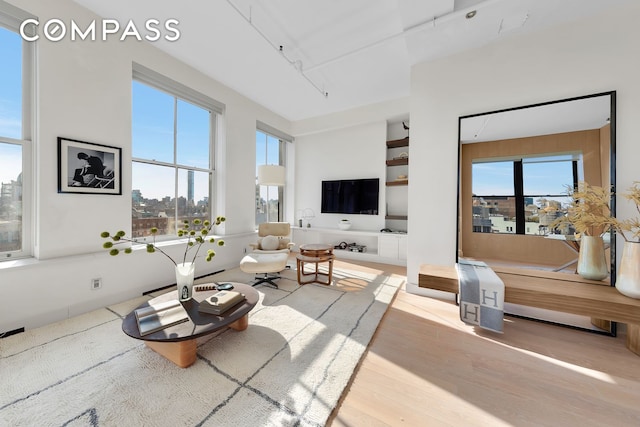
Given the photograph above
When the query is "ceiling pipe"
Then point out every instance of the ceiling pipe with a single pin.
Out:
(280, 49)
(484, 125)
(406, 32)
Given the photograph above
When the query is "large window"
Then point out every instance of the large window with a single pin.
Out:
(522, 196)
(270, 150)
(15, 133)
(173, 131)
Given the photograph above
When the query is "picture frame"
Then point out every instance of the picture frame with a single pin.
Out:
(88, 168)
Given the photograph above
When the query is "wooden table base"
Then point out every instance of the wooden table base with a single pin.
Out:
(315, 253)
(633, 338)
(241, 324)
(183, 353)
(316, 276)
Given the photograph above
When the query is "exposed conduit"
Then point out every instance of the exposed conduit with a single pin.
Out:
(406, 32)
(279, 48)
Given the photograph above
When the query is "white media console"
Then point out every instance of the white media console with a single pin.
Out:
(388, 248)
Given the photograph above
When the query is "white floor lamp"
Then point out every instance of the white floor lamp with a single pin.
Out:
(271, 175)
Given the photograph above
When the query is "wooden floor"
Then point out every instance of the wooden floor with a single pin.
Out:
(426, 368)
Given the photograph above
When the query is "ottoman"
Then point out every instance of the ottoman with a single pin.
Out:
(265, 265)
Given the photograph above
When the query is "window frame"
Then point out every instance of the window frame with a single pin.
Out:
(11, 18)
(519, 195)
(180, 92)
(283, 139)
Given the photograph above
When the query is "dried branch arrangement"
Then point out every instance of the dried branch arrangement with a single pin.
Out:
(631, 225)
(590, 212)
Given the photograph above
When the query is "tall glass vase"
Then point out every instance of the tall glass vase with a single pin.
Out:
(628, 278)
(592, 262)
(184, 280)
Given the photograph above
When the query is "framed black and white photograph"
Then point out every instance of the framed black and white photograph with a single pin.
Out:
(88, 168)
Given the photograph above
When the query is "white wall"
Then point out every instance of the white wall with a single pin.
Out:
(392, 110)
(349, 153)
(84, 92)
(345, 145)
(589, 56)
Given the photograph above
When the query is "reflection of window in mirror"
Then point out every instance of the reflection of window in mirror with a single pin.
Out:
(523, 195)
(545, 147)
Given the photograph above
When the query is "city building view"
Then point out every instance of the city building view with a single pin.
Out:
(11, 215)
(497, 214)
(167, 213)
(267, 204)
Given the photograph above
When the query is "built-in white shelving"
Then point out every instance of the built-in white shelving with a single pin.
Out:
(389, 248)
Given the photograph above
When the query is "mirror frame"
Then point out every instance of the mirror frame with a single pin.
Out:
(612, 173)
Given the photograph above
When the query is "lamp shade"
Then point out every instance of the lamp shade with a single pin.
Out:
(271, 175)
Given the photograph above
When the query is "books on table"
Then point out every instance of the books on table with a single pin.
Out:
(159, 316)
(220, 302)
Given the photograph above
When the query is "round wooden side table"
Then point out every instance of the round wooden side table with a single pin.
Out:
(315, 253)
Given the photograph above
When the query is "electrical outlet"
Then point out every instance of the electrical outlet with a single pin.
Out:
(96, 283)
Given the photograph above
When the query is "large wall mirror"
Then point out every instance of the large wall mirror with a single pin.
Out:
(515, 168)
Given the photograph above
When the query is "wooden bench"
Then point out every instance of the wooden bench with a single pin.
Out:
(568, 293)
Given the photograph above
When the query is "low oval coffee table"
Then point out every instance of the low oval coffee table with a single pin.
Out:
(177, 343)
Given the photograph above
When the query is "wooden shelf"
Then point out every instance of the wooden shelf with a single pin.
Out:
(404, 161)
(398, 162)
(404, 142)
(562, 292)
(400, 217)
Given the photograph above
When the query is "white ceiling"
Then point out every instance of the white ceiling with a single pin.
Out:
(558, 117)
(358, 51)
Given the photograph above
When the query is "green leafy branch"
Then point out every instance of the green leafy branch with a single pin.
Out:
(195, 239)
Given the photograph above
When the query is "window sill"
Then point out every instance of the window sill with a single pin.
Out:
(18, 262)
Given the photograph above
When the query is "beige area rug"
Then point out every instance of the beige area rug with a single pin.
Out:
(288, 368)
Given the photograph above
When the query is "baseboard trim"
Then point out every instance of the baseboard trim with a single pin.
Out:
(13, 332)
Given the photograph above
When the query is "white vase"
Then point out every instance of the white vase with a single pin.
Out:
(628, 278)
(344, 225)
(184, 280)
(592, 262)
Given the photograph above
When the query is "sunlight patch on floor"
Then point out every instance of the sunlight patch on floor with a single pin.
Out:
(597, 375)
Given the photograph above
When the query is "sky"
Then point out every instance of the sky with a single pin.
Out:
(152, 135)
(10, 103)
(496, 178)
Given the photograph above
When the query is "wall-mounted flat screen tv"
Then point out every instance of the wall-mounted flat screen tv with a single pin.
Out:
(351, 196)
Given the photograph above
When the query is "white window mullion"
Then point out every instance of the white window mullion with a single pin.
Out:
(169, 151)
(175, 161)
(213, 125)
(28, 198)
